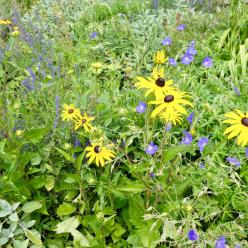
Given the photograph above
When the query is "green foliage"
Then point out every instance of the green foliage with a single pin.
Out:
(50, 195)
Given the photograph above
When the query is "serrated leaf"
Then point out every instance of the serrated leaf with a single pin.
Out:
(29, 207)
(67, 226)
(172, 152)
(35, 135)
(65, 209)
(67, 156)
(33, 237)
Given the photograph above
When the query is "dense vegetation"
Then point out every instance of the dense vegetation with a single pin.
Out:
(123, 123)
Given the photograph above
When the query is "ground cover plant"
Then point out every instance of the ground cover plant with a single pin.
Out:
(123, 123)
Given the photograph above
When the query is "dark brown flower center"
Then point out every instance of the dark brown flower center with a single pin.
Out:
(169, 98)
(160, 82)
(97, 149)
(70, 111)
(84, 121)
(244, 121)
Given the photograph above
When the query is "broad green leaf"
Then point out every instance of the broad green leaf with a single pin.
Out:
(79, 239)
(14, 217)
(65, 154)
(67, 226)
(35, 135)
(33, 237)
(65, 209)
(3, 240)
(50, 183)
(172, 152)
(243, 59)
(20, 244)
(36, 159)
(5, 208)
(223, 38)
(29, 207)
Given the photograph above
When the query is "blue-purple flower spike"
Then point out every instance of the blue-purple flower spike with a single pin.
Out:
(233, 161)
(202, 142)
(172, 62)
(181, 27)
(190, 118)
(246, 152)
(167, 41)
(207, 62)
(187, 138)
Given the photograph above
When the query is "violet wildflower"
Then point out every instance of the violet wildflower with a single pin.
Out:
(207, 62)
(187, 138)
(168, 127)
(192, 235)
(236, 90)
(246, 152)
(187, 59)
(233, 161)
(151, 148)
(152, 175)
(202, 166)
(191, 117)
(237, 246)
(93, 35)
(167, 41)
(221, 242)
(202, 142)
(141, 108)
(172, 62)
(181, 27)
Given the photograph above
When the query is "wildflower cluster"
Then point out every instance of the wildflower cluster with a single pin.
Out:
(96, 151)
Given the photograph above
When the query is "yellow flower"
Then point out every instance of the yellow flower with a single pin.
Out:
(67, 146)
(159, 57)
(155, 84)
(70, 112)
(84, 121)
(97, 67)
(5, 22)
(171, 102)
(19, 133)
(171, 117)
(98, 153)
(239, 126)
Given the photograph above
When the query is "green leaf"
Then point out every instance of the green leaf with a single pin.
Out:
(5, 208)
(172, 152)
(134, 188)
(79, 239)
(243, 59)
(33, 237)
(67, 156)
(36, 160)
(35, 135)
(67, 226)
(65, 209)
(20, 244)
(14, 217)
(50, 183)
(29, 207)
(3, 240)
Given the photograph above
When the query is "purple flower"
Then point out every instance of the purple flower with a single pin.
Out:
(187, 138)
(181, 27)
(236, 90)
(151, 148)
(141, 108)
(191, 117)
(152, 175)
(191, 49)
(221, 242)
(93, 35)
(192, 235)
(202, 166)
(238, 246)
(167, 41)
(168, 127)
(187, 59)
(202, 142)
(172, 62)
(233, 161)
(207, 62)
(246, 152)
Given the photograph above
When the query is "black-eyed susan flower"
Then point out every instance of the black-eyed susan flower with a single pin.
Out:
(156, 84)
(239, 126)
(85, 122)
(171, 102)
(159, 57)
(99, 154)
(70, 112)
(171, 117)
